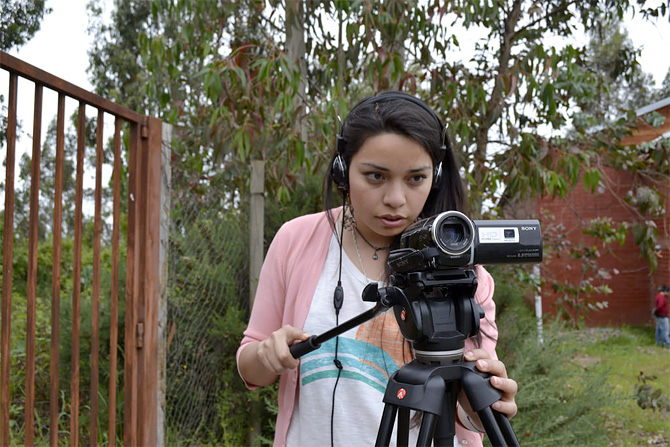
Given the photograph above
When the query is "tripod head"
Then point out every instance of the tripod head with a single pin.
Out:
(436, 312)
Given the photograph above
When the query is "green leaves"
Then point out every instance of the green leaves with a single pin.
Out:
(591, 179)
(648, 397)
(19, 21)
(604, 229)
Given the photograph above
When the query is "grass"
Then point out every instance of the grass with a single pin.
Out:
(625, 356)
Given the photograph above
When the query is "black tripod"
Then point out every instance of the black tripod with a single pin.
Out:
(434, 390)
(436, 311)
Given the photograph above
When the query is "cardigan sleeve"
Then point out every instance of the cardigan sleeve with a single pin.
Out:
(489, 337)
(487, 325)
(289, 276)
(267, 314)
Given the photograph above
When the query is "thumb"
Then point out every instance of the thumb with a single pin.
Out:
(294, 334)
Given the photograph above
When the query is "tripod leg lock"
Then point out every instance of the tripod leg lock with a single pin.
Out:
(478, 388)
(423, 396)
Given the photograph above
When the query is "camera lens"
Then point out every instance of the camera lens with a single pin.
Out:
(453, 233)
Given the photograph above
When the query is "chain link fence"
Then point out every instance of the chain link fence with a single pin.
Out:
(207, 294)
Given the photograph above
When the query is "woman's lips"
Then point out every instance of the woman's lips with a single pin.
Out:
(392, 221)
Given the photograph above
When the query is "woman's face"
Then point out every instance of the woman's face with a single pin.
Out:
(390, 178)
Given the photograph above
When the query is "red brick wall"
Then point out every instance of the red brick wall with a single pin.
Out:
(631, 282)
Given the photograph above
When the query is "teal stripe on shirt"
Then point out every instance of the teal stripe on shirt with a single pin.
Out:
(357, 366)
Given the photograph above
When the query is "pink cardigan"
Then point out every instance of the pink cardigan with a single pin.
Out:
(288, 279)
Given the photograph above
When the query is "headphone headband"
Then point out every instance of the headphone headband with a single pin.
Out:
(393, 95)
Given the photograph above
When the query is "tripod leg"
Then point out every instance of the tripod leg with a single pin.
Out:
(427, 429)
(481, 396)
(446, 425)
(403, 427)
(386, 425)
(506, 428)
(491, 427)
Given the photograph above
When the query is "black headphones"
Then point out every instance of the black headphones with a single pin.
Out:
(339, 170)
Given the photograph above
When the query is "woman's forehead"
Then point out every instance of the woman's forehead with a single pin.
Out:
(390, 149)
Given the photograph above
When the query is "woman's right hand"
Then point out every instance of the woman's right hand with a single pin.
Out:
(262, 362)
(274, 353)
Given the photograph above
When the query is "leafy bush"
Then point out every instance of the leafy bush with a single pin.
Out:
(236, 406)
(647, 396)
(559, 404)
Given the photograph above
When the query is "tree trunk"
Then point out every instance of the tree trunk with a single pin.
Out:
(296, 49)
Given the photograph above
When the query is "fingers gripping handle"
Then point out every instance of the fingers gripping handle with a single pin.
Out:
(304, 347)
(384, 298)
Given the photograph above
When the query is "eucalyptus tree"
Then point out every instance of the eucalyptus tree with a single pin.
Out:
(519, 84)
(19, 21)
(508, 76)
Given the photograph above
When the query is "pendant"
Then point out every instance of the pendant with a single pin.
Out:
(375, 257)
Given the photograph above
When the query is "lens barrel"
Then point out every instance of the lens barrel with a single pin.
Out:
(453, 232)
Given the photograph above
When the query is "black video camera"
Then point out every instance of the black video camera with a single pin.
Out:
(452, 240)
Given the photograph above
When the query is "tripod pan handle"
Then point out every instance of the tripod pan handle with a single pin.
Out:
(304, 347)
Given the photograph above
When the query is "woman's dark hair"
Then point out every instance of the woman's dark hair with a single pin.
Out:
(400, 113)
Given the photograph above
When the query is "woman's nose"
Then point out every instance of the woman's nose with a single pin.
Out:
(394, 196)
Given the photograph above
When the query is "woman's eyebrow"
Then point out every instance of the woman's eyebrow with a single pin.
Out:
(384, 169)
(374, 166)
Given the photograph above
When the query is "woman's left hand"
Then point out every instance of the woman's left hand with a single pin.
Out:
(499, 380)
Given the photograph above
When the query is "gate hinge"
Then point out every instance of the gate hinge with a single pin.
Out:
(140, 335)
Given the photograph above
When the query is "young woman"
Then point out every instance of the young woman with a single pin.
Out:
(392, 166)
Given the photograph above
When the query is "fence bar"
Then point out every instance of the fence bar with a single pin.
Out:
(31, 290)
(114, 299)
(8, 254)
(56, 273)
(130, 414)
(95, 298)
(76, 276)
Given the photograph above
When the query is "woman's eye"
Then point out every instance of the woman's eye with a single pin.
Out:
(419, 178)
(374, 176)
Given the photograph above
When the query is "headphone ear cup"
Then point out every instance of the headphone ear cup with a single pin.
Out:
(338, 172)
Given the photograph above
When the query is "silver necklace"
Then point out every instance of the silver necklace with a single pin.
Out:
(360, 260)
(374, 247)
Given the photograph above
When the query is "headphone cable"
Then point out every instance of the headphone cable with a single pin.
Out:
(338, 299)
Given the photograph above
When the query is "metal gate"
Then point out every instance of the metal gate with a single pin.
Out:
(143, 140)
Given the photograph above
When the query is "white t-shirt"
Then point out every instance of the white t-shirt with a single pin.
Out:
(367, 360)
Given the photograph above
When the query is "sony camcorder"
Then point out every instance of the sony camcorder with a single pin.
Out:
(452, 240)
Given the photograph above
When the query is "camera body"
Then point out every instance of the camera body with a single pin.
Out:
(452, 240)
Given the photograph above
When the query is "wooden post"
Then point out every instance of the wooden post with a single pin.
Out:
(142, 289)
(256, 224)
(149, 199)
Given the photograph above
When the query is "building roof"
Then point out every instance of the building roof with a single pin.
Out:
(652, 107)
(645, 132)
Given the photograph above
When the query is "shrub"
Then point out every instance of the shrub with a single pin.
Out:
(559, 403)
